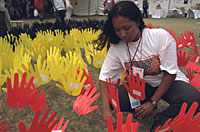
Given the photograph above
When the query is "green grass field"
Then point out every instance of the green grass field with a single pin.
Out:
(62, 103)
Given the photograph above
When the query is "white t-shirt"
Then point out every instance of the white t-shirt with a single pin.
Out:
(156, 53)
(59, 4)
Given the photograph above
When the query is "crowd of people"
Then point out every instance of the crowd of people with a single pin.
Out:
(24, 9)
(20, 9)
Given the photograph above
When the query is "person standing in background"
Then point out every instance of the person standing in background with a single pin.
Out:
(137, 3)
(39, 5)
(69, 9)
(3, 27)
(145, 8)
(60, 10)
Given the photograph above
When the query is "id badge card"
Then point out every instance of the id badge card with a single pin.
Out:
(134, 102)
(138, 70)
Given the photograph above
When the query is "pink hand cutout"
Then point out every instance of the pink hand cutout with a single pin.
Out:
(113, 95)
(3, 128)
(20, 96)
(181, 57)
(40, 126)
(135, 89)
(83, 101)
(39, 102)
(60, 127)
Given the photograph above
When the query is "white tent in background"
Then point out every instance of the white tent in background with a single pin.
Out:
(95, 7)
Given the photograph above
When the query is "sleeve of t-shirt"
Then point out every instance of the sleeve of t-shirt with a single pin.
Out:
(111, 67)
(167, 52)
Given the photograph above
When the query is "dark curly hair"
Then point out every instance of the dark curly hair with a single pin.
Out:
(125, 9)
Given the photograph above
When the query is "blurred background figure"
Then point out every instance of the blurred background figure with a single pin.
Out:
(136, 3)
(69, 9)
(60, 10)
(145, 8)
(108, 4)
(39, 5)
(16, 7)
(3, 26)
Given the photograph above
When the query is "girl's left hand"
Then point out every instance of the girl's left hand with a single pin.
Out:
(143, 110)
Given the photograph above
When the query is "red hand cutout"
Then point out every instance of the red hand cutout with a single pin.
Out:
(189, 74)
(113, 95)
(59, 127)
(2, 128)
(136, 90)
(181, 57)
(128, 125)
(194, 58)
(188, 124)
(40, 126)
(171, 32)
(150, 26)
(196, 81)
(83, 101)
(20, 96)
(182, 122)
(179, 43)
(39, 102)
(194, 67)
(134, 127)
(188, 38)
(88, 81)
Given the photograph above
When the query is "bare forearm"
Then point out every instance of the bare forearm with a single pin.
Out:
(104, 96)
(166, 82)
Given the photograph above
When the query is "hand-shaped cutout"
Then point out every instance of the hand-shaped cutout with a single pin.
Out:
(195, 81)
(40, 126)
(39, 102)
(128, 125)
(183, 121)
(194, 58)
(31, 72)
(193, 66)
(56, 64)
(150, 26)
(188, 38)
(179, 43)
(113, 95)
(171, 32)
(83, 102)
(88, 80)
(71, 82)
(60, 127)
(134, 127)
(20, 96)
(190, 74)
(135, 89)
(3, 128)
(189, 124)
(99, 57)
(182, 58)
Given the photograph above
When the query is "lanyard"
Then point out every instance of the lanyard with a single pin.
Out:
(134, 53)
